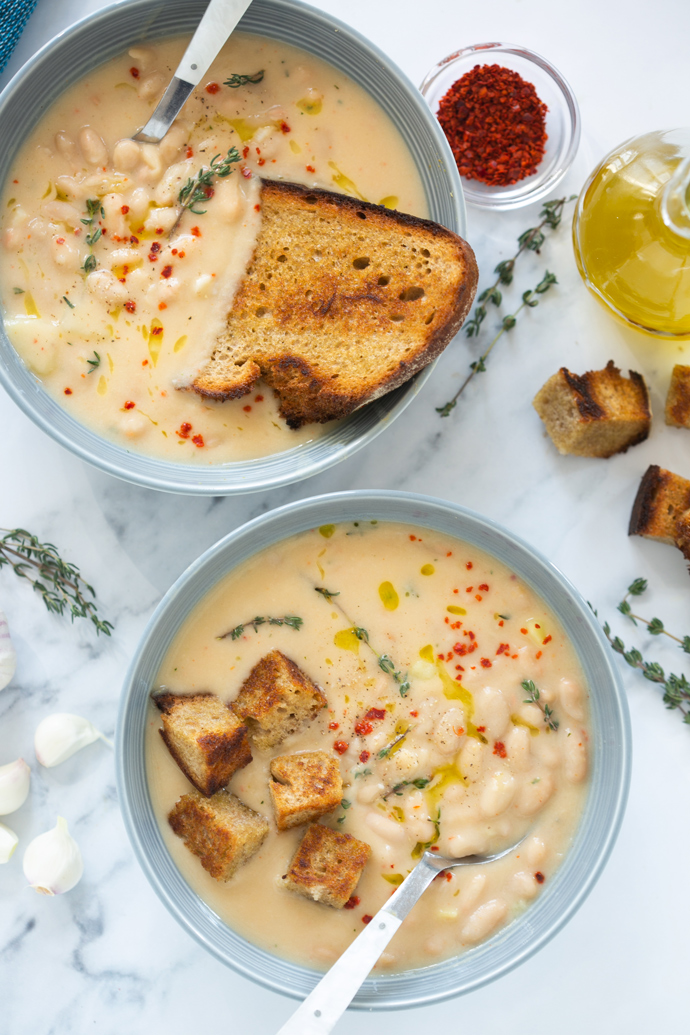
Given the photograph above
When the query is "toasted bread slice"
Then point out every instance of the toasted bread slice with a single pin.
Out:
(682, 539)
(304, 787)
(277, 699)
(206, 739)
(594, 414)
(327, 866)
(343, 301)
(661, 501)
(677, 410)
(221, 831)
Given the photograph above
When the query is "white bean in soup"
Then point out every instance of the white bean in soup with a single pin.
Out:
(111, 298)
(425, 648)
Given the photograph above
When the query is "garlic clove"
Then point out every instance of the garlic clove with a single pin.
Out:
(8, 843)
(8, 656)
(61, 735)
(53, 862)
(14, 786)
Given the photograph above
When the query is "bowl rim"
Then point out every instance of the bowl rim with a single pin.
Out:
(383, 992)
(499, 198)
(261, 473)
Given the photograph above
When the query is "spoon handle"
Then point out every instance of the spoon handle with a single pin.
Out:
(329, 1000)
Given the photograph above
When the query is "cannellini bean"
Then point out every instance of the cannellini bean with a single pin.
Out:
(168, 289)
(418, 827)
(227, 201)
(435, 945)
(449, 731)
(574, 756)
(62, 212)
(492, 711)
(571, 698)
(534, 794)
(40, 227)
(203, 286)
(126, 155)
(167, 191)
(138, 202)
(93, 146)
(369, 792)
(144, 56)
(532, 714)
(470, 840)
(409, 759)
(67, 148)
(65, 253)
(546, 750)
(524, 885)
(107, 287)
(470, 890)
(114, 218)
(517, 745)
(497, 793)
(471, 759)
(484, 919)
(70, 187)
(161, 219)
(534, 851)
(151, 169)
(172, 142)
(125, 257)
(133, 425)
(423, 670)
(386, 828)
(151, 86)
(105, 183)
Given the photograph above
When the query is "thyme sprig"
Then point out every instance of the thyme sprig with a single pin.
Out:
(421, 847)
(199, 189)
(385, 662)
(94, 363)
(93, 209)
(293, 621)
(676, 689)
(534, 697)
(59, 582)
(385, 751)
(236, 79)
(420, 783)
(530, 300)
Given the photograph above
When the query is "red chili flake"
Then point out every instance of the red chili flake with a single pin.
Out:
(262, 161)
(503, 648)
(129, 405)
(196, 231)
(364, 756)
(352, 902)
(469, 565)
(181, 255)
(470, 634)
(247, 409)
(174, 251)
(469, 589)
(156, 330)
(478, 596)
(247, 173)
(284, 128)
(124, 210)
(333, 725)
(539, 877)
(376, 713)
(500, 749)
(485, 663)
(501, 622)
(536, 625)
(159, 230)
(212, 87)
(166, 272)
(257, 208)
(434, 848)
(340, 746)
(133, 239)
(59, 240)
(413, 538)
(310, 168)
(538, 655)
(144, 362)
(481, 729)
(198, 441)
(68, 391)
(161, 306)
(523, 631)
(456, 590)
(547, 639)
(495, 125)
(362, 728)
(189, 153)
(134, 72)
(131, 307)
(155, 246)
(258, 398)
(414, 714)
(184, 430)
(483, 588)
(245, 151)
(367, 918)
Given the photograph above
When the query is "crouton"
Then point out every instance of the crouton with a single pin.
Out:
(661, 500)
(221, 830)
(682, 539)
(206, 739)
(277, 699)
(304, 786)
(327, 866)
(594, 414)
(678, 399)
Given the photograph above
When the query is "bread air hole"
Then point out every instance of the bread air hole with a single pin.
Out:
(282, 258)
(430, 318)
(397, 318)
(384, 280)
(411, 294)
(360, 264)
(426, 253)
(262, 311)
(362, 215)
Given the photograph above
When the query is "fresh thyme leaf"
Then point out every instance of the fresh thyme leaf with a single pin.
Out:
(293, 621)
(421, 847)
(344, 803)
(385, 752)
(90, 264)
(18, 291)
(235, 79)
(420, 783)
(199, 189)
(534, 697)
(94, 363)
(327, 593)
(66, 299)
(363, 772)
(59, 583)
(93, 209)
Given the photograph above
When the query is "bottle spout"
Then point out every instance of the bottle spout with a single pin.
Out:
(675, 201)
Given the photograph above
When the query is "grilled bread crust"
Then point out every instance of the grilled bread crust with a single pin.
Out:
(662, 499)
(342, 302)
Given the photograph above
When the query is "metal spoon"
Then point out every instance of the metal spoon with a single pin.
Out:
(329, 1000)
(220, 18)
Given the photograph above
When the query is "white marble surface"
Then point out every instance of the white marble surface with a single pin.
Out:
(107, 957)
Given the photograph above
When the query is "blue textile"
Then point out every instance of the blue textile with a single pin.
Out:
(14, 14)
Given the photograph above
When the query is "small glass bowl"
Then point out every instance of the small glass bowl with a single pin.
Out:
(562, 119)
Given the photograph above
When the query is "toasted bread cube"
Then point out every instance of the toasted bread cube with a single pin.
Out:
(596, 414)
(277, 699)
(304, 786)
(327, 866)
(683, 534)
(221, 830)
(661, 500)
(206, 739)
(678, 399)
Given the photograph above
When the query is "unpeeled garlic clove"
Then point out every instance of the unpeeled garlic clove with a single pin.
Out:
(53, 862)
(8, 656)
(59, 736)
(14, 786)
(8, 843)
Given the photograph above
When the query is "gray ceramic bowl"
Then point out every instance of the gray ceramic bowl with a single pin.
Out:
(609, 747)
(110, 31)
